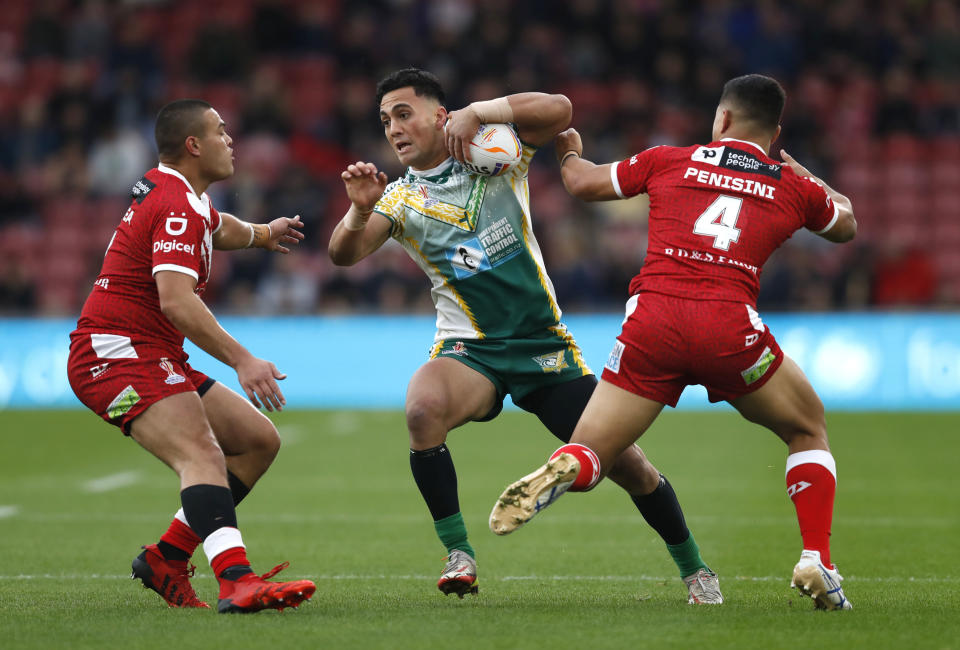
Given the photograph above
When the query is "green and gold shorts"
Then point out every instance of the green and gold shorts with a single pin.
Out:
(519, 366)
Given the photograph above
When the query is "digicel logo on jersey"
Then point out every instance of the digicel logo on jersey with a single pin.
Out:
(164, 246)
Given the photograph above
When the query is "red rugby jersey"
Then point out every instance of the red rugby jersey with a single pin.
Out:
(167, 228)
(717, 212)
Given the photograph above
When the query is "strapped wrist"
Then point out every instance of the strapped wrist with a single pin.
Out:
(493, 111)
(259, 235)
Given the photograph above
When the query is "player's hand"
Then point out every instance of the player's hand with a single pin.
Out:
(283, 231)
(459, 129)
(364, 184)
(797, 168)
(258, 378)
(568, 140)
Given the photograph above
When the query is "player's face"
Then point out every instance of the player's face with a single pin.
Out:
(216, 154)
(414, 128)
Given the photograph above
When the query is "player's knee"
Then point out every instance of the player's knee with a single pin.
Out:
(425, 421)
(265, 440)
(817, 427)
(815, 420)
(810, 431)
(204, 449)
(634, 473)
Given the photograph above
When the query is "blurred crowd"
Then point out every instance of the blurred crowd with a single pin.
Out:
(873, 107)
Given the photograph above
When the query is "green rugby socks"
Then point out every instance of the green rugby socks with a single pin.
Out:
(453, 533)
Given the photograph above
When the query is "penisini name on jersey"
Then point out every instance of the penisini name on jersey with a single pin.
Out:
(745, 185)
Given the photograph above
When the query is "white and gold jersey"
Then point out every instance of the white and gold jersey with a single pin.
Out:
(472, 236)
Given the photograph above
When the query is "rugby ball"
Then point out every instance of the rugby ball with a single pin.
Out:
(494, 149)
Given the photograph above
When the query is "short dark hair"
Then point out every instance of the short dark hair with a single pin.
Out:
(176, 122)
(760, 99)
(424, 84)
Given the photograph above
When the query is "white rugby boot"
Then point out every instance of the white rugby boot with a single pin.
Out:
(525, 498)
(811, 578)
(704, 588)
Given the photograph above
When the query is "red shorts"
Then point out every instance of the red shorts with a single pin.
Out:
(118, 382)
(668, 343)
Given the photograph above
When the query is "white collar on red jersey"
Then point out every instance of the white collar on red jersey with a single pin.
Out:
(173, 172)
(199, 203)
(752, 144)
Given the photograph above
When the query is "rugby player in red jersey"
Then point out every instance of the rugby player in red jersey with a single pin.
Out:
(127, 362)
(717, 212)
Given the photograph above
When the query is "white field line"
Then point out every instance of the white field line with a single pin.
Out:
(8, 511)
(529, 578)
(110, 482)
(548, 520)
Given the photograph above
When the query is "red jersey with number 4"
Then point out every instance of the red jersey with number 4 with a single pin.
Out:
(167, 228)
(717, 212)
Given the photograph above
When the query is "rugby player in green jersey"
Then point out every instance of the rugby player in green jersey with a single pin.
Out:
(498, 322)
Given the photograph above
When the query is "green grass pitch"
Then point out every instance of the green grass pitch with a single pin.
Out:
(77, 500)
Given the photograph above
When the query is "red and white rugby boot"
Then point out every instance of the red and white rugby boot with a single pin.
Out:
(169, 578)
(251, 593)
(460, 575)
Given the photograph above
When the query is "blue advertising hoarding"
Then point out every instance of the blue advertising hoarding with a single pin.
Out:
(855, 361)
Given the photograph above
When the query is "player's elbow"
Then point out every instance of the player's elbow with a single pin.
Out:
(575, 189)
(340, 256)
(850, 231)
(846, 228)
(562, 108)
(176, 302)
(580, 187)
(843, 230)
(173, 307)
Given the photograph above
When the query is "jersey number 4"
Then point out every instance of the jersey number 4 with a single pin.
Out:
(719, 221)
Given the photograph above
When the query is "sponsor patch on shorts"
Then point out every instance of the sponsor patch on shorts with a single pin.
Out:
(552, 362)
(122, 403)
(172, 376)
(613, 361)
(759, 368)
(459, 349)
(98, 370)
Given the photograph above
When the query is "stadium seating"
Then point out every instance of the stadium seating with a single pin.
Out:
(904, 182)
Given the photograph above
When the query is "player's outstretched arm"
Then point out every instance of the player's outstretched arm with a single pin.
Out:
(184, 309)
(234, 233)
(538, 117)
(583, 179)
(845, 228)
(361, 231)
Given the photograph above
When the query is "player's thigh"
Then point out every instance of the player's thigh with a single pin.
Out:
(175, 430)
(559, 406)
(447, 393)
(613, 420)
(238, 426)
(787, 405)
